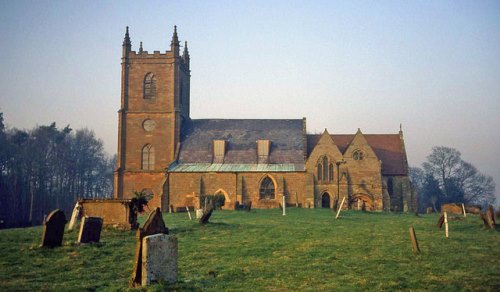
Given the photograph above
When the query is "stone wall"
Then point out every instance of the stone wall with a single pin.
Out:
(113, 212)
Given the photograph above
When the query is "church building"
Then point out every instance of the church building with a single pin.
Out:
(163, 152)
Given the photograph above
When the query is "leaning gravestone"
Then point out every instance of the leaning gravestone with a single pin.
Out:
(75, 216)
(153, 225)
(490, 217)
(90, 230)
(159, 259)
(206, 215)
(53, 229)
(440, 221)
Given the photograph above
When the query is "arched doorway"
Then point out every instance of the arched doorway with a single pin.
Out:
(361, 201)
(325, 200)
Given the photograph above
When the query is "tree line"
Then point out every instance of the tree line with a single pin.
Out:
(47, 168)
(446, 178)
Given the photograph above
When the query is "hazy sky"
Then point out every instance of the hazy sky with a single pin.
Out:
(433, 66)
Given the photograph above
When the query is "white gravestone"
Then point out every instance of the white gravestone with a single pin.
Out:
(77, 212)
(199, 213)
(159, 259)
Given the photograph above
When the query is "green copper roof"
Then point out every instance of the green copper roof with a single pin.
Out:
(209, 167)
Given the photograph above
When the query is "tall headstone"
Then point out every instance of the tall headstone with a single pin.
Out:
(75, 216)
(159, 259)
(490, 216)
(154, 225)
(90, 230)
(53, 229)
(206, 215)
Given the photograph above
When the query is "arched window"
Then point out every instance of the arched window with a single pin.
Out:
(325, 168)
(320, 172)
(330, 172)
(267, 189)
(148, 157)
(149, 86)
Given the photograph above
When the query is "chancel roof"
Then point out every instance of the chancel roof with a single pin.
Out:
(241, 135)
(388, 148)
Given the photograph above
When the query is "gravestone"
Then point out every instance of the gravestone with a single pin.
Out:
(199, 213)
(490, 217)
(485, 220)
(90, 230)
(414, 241)
(159, 259)
(429, 210)
(248, 206)
(440, 221)
(75, 216)
(154, 225)
(53, 229)
(206, 215)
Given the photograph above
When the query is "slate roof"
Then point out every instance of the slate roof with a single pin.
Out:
(286, 136)
(387, 147)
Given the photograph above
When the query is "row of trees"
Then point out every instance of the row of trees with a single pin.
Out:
(47, 168)
(446, 178)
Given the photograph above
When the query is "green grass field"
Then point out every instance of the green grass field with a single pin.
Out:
(262, 250)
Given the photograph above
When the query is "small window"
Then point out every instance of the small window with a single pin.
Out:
(219, 151)
(358, 155)
(148, 157)
(149, 86)
(263, 147)
(267, 189)
(330, 172)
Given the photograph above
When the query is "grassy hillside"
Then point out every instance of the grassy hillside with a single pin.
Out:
(263, 250)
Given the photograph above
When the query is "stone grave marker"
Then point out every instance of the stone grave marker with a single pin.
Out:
(159, 259)
(490, 217)
(53, 229)
(90, 230)
(429, 210)
(199, 213)
(206, 215)
(154, 225)
(248, 206)
(75, 216)
(414, 241)
(440, 221)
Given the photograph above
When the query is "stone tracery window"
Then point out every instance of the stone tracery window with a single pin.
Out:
(358, 155)
(148, 157)
(320, 172)
(149, 86)
(325, 170)
(267, 189)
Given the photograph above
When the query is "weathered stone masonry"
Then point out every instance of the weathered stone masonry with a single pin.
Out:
(162, 151)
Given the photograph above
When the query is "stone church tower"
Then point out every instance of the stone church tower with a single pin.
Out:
(155, 103)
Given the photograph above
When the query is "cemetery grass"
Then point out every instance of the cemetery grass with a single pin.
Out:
(262, 250)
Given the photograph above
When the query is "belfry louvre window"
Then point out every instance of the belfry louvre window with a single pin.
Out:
(267, 189)
(148, 157)
(149, 86)
(263, 147)
(219, 151)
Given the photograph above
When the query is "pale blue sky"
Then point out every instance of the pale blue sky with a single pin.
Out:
(433, 66)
